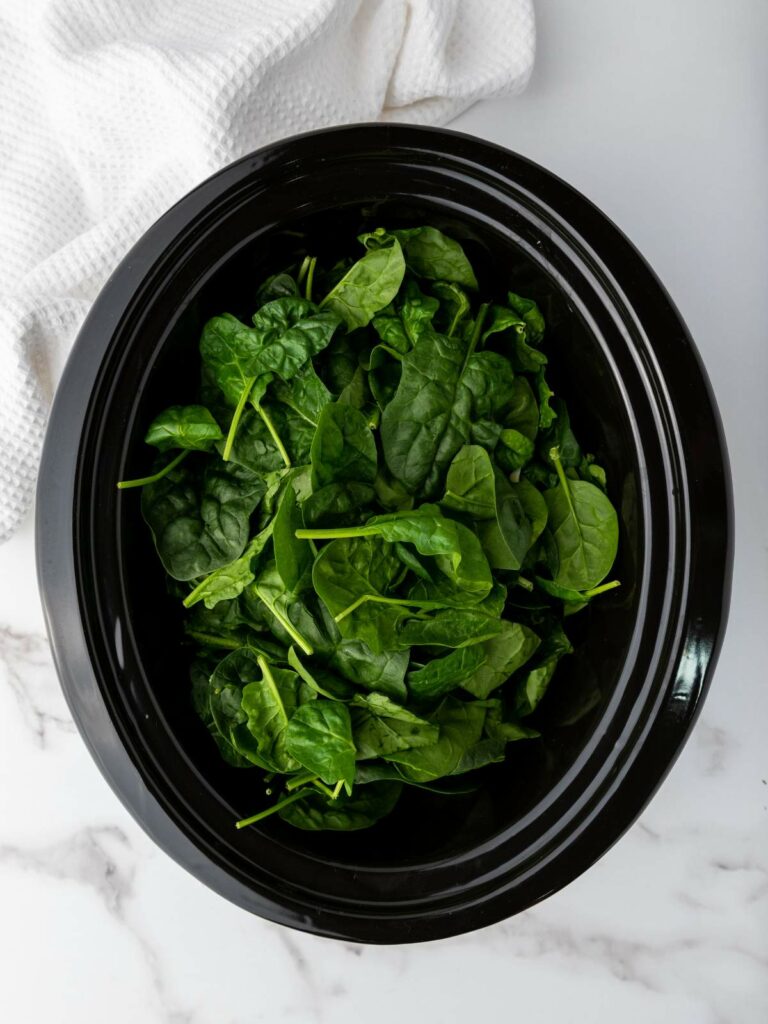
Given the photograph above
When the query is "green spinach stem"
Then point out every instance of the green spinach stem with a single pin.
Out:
(404, 602)
(300, 780)
(602, 588)
(303, 270)
(236, 418)
(123, 485)
(455, 322)
(524, 583)
(269, 679)
(324, 789)
(310, 278)
(476, 332)
(284, 621)
(216, 641)
(299, 795)
(332, 533)
(274, 434)
(554, 454)
(391, 352)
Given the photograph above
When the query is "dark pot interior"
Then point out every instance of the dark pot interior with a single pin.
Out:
(583, 683)
(617, 711)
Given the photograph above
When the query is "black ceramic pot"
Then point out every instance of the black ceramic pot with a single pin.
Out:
(620, 709)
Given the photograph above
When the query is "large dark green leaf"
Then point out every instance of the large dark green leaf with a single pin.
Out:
(470, 486)
(293, 331)
(448, 627)
(251, 704)
(352, 577)
(293, 557)
(382, 671)
(201, 670)
(229, 349)
(230, 580)
(381, 727)
(343, 456)
(534, 683)
(428, 420)
(270, 702)
(455, 549)
(199, 515)
(305, 393)
(319, 736)
(481, 493)
(585, 530)
(441, 675)
(502, 655)
(461, 726)
(491, 382)
(343, 448)
(286, 333)
(428, 253)
(368, 286)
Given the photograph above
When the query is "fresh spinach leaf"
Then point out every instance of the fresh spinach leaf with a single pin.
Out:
(428, 253)
(305, 393)
(319, 679)
(428, 419)
(230, 580)
(514, 450)
(199, 516)
(441, 675)
(585, 531)
(351, 636)
(368, 286)
(503, 654)
(534, 683)
(381, 671)
(479, 492)
(293, 557)
(523, 414)
(343, 457)
(381, 727)
(319, 737)
(454, 309)
(470, 485)
(460, 726)
(277, 286)
(343, 448)
(184, 426)
(531, 316)
(491, 382)
(270, 703)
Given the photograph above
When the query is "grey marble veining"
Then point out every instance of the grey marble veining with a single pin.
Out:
(672, 923)
(28, 673)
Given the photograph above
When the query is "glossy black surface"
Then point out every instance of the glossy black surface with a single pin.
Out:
(618, 712)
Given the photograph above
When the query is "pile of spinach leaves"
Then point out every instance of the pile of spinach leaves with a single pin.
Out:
(377, 518)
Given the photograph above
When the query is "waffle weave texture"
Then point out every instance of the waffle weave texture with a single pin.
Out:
(111, 110)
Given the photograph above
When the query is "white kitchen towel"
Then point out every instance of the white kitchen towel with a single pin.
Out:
(110, 110)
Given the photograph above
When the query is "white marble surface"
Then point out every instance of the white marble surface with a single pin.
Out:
(657, 111)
